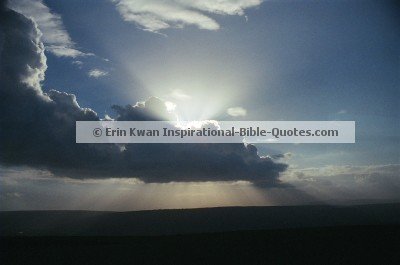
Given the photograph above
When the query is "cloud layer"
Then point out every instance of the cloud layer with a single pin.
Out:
(343, 183)
(38, 129)
(156, 15)
(55, 36)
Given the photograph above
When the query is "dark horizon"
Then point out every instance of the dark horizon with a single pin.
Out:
(188, 221)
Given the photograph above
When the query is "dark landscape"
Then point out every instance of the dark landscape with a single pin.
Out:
(368, 234)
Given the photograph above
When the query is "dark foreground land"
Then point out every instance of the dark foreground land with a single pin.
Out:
(324, 235)
(338, 245)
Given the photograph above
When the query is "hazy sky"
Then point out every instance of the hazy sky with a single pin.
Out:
(261, 60)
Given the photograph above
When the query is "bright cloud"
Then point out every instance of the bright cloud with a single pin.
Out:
(96, 73)
(236, 111)
(155, 15)
(55, 37)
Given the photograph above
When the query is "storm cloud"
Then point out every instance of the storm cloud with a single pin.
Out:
(37, 129)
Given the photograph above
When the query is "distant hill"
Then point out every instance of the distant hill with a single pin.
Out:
(192, 221)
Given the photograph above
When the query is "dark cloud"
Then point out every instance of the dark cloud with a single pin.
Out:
(38, 129)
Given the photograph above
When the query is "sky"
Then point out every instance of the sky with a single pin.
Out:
(63, 61)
